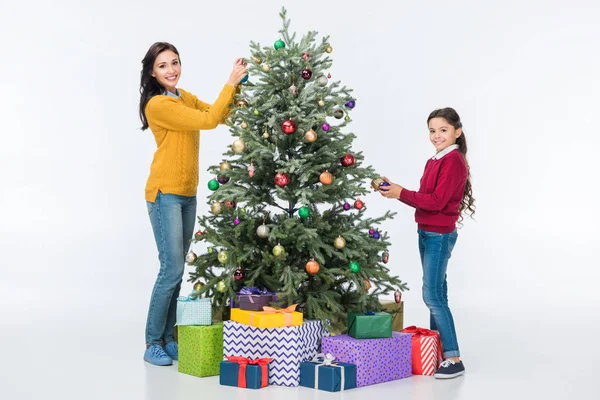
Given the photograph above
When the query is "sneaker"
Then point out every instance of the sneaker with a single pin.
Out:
(156, 355)
(172, 350)
(449, 369)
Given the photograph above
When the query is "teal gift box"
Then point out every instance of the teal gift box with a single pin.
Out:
(370, 325)
(194, 311)
(245, 373)
(324, 373)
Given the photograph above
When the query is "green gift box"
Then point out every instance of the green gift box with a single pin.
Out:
(370, 325)
(200, 349)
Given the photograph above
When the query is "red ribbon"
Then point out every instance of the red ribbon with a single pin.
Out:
(244, 362)
(417, 334)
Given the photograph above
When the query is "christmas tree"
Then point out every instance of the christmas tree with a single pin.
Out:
(286, 213)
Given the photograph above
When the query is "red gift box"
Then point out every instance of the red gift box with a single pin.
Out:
(427, 351)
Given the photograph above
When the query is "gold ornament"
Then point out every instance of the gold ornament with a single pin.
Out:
(278, 250)
(239, 146)
(242, 103)
(312, 267)
(216, 207)
(266, 135)
(321, 103)
(244, 125)
(266, 67)
(223, 257)
(310, 136)
(198, 286)
(225, 166)
(339, 242)
(257, 60)
(376, 183)
(329, 49)
(367, 285)
(221, 287)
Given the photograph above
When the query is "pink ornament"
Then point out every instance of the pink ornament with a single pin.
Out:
(251, 170)
(326, 127)
(306, 56)
(329, 76)
(236, 221)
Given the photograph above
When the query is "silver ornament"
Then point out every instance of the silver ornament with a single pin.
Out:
(262, 231)
(322, 81)
(191, 257)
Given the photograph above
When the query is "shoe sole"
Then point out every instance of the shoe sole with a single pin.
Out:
(448, 376)
(159, 365)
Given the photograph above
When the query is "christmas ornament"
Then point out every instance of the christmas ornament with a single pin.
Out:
(256, 112)
(242, 103)
(326, 178)
(371, 232)
(328, 76)
(358, 204)
(210, 250)
(216, 208)
(282, 179)
(386, 257)
(278, 250)
(263, 231)
(251, 170)
(347, 118)
(257, 60)
(222, 179)
(310, 136)
(223, 257)
(376, 235)
(339, 242)
(348, 160)
(398, 296)
(312, 267)
(304, 212)
(236, 221)
(288, 127)
(191, 257)
(355, 267)
(213, 184)
(279, 44)
(238, 274)
(306, 56)
(198, 285)
(225, 166)
(199, 235)
(306, 73)
(338, 114)
(347, 206)
(239, 146)
(266, 135)
(351, 104)
(244, 124)
(244, 79)
(376, 183)
(221, 287)
(230, 204)
(293, 90)
(367, 285)
(326, 127)
(322, 81)
(329, 49)
(266, 67)
(321, 103)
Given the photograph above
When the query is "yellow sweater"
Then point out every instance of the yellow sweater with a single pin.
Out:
(176, 124)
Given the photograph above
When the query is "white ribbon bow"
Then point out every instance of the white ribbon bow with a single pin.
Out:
(328, 360)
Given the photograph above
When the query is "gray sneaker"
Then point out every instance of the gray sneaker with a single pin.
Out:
(449, 369)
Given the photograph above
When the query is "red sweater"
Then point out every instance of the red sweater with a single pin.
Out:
(442, 187)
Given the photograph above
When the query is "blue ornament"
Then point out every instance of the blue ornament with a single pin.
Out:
(384, 184)
(351, 104)
(244, 79)
(376, 235)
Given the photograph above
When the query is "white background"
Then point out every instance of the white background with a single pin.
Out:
(76, 248)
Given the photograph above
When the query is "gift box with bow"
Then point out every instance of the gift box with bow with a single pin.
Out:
(270, 317)
(427, 352)
(324, 373)
(244, 372)
(370, 325)
(253, 299)
(193, 310)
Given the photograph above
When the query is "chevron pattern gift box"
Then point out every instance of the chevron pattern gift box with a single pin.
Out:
(377, 360)
(287, 346)
(200, 349)
(427, 353)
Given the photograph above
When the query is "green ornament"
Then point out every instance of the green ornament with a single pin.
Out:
(279, 44)
(213, 184)
(278, 250)
(221, 286)
(304, 212)
(210, 250)
(355, 267)
(223, 256)
(256, 112)
(347, 118)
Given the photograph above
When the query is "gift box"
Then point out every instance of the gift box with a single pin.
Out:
(324, 373)
(376, 360)
(427, 352)
(269, 318)
(287, 346)
(196, 311)
(370, 325)
(253, 299)
(244, 372)
(397, 312)
(200, 349)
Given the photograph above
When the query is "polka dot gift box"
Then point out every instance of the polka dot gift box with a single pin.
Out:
(377, 360)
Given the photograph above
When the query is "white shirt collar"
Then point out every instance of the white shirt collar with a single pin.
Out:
(444, 152)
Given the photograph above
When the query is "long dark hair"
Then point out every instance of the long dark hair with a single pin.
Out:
(149, 86)
(467, 203)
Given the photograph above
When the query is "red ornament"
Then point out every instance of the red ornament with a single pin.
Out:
(238, 274)
(282, 179)
(307, 74)
(329, 76)
(306, 56)
(358, 204)
(288, 127)
(348, 160)
(229, 204)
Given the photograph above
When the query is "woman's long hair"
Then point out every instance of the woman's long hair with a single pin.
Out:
(467, 204)
(149, 86)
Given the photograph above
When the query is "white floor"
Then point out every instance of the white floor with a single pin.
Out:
(507, 356)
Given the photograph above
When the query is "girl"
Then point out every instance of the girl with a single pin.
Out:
(175, 118)
(445, 193)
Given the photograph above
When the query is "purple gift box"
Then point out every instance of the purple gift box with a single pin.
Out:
(253, 299)
(377, 360)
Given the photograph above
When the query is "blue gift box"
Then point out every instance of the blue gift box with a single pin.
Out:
(330, 375)
(229, 375)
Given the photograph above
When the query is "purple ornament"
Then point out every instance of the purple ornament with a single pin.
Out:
(384, 184)
(371, 232)
(326, 127)
(347, 206)
(236, 221)
(222, 179)
(351, 104)
(376, 235)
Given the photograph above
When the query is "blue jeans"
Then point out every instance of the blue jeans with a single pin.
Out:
(435, 249)
(173, 218)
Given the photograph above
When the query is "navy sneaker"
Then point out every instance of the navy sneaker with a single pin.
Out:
(172, 350)
(156, 355)
(449, 369)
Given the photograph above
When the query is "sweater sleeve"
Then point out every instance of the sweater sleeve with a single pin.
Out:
(451, 174)
(202, 106)
(172, 114)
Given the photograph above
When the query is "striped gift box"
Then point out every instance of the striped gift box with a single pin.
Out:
(194, 311)
(427, 353)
